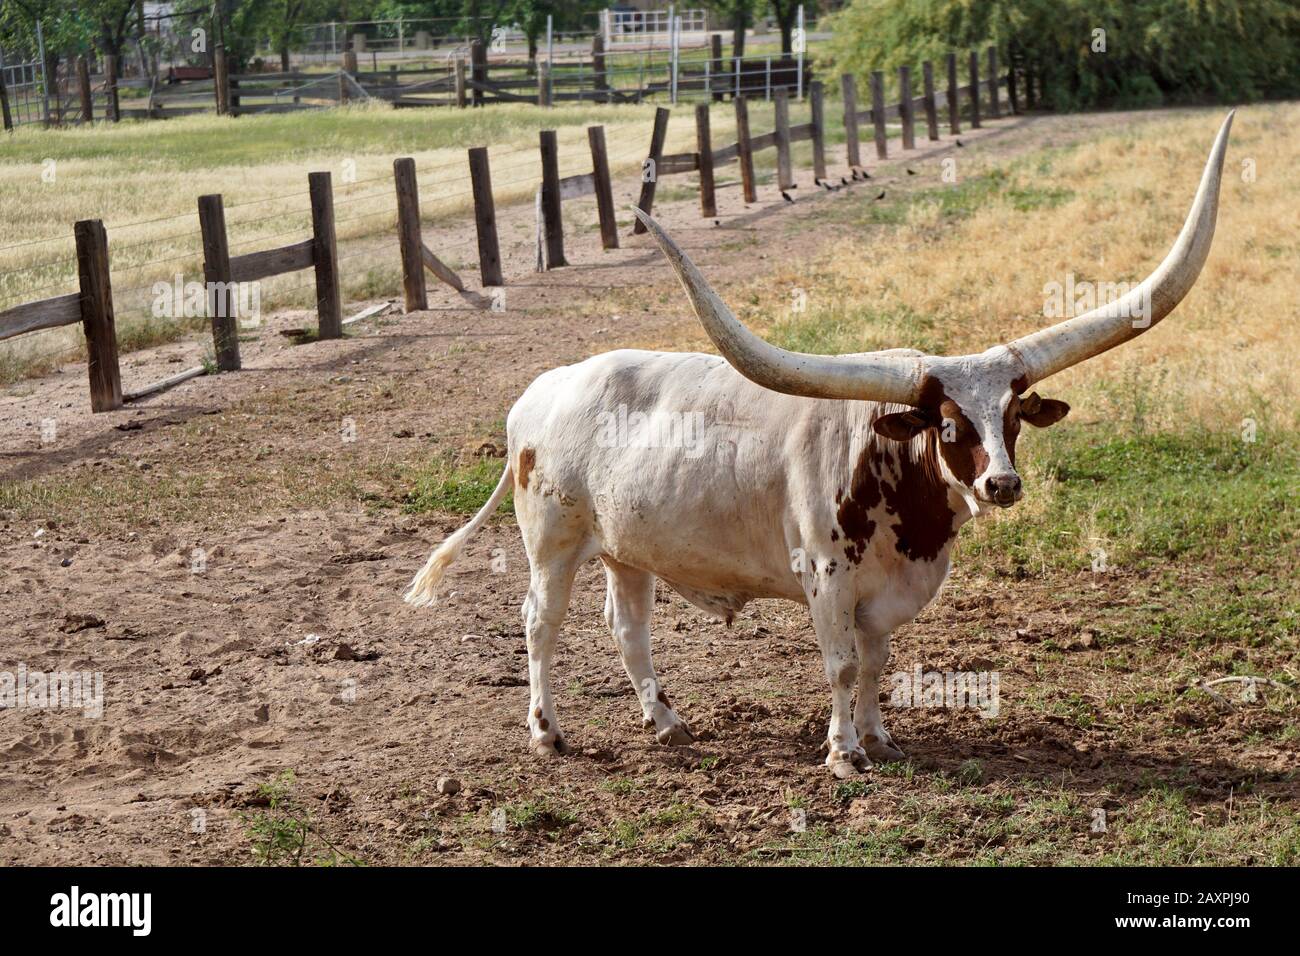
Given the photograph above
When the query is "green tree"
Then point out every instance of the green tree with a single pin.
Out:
(739, 14)
(787, 18)
(1082, 53)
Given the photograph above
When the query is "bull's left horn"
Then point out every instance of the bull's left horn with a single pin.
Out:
(1067, 343)
(872, 376)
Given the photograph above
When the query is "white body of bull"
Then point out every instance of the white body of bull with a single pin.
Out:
(674, 466)
(782, 475)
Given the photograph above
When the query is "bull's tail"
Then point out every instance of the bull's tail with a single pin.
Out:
(423, 591)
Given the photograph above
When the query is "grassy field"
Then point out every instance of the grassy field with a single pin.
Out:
(143, 180)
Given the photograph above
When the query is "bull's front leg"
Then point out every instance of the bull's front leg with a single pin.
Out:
(873, 652)
(833, 619)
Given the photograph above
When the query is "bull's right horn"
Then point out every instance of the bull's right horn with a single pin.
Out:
(1067, 343)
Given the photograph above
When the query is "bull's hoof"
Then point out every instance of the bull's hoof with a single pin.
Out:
(882, 751)
(676, 735)
(846, 765)
(551, 748)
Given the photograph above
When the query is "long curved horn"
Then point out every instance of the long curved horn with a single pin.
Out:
(872, 376)
(1067, 343)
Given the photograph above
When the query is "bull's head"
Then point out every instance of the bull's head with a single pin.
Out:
(977, 402)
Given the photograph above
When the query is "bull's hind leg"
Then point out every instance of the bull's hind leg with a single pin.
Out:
(629, 606)
(543, 611)
(873, 652)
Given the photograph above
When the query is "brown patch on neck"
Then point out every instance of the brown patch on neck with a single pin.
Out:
(919, 499)
(527, 460)
(854, 514)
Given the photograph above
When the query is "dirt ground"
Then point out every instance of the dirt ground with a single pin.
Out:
(292, 650)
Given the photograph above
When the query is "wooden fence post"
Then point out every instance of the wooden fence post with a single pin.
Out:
(415, 296)
(552, 221)
(974, 90)
(5, 115)
(878, 113)
(477, 69)
(905, 115)
(931, 111)
(221, 288)
(219, 87)
(715, 65)
(599, 80)
(817, 110)
(704, 148)
(995, 108)
(110, 85)
(849, 91)
(954, 106)
(745, 149)
(83, 85)
(1013, 94)
(97, 315)
(604, 187)
(648, 184)
(485, 218)
(543, 83)
(459, 81)
(349, 67)
(781, 112)
(329, 303)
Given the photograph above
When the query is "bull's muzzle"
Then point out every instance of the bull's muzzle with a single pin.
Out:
(1003, 490)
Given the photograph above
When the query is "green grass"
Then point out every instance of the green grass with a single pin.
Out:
(1037, 826)
(1009, 185)
(442, 485)
(206, 142)
(848, 326)
(1148, 499)
(286, 833)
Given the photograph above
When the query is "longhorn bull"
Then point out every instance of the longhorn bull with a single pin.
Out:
(711, 473)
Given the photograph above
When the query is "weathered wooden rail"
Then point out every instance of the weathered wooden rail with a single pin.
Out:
(92, 305)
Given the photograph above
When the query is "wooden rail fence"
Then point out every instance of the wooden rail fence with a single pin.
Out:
(92, 305)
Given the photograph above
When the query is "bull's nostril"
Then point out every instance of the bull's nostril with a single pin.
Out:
(1004, 489)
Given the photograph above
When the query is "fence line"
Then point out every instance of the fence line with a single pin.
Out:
(92, 306)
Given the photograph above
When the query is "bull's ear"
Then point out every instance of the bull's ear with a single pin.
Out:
(1041, 412)
(901, 426)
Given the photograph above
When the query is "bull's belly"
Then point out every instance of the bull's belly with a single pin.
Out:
(718, 565)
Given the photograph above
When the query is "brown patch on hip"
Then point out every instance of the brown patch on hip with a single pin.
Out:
(527, 461)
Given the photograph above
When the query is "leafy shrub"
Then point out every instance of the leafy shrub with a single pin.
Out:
(1156, 51)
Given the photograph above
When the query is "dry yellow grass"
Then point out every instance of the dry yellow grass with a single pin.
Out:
(966, 270)
(143, 180)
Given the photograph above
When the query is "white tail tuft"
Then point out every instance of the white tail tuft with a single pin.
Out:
(423, 591)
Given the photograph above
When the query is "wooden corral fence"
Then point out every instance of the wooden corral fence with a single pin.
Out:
(224, 274)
